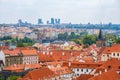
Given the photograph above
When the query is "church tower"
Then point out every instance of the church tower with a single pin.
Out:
(100, 42)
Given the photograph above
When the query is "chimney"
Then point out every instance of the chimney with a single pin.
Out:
(100, 72)
(47, 53)
(50, 53)
(43, 53)
(69, 64)
(105, 70)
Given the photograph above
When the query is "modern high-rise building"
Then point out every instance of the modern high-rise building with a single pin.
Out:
(47, 22)
(52, 21)
(57, 21)
(40, 21)
(20, 22)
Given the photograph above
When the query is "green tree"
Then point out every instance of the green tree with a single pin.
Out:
(20, 44)
(1, 77)
(63, 36)
(110, 37)
(14, 77)
(77, 41)
(118, 40)
(72, 35)
(89, 39)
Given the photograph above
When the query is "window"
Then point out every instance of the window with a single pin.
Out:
(81, 70)
(113, 54)
(117, 54)
(86, 70)
(77, 69)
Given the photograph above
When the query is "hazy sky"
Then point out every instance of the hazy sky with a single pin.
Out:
(75, 11)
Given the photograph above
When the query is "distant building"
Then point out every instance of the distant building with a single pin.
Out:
(57, 21)
(20, 22)
(52, 21)
(12, 57)
(47, 22)
(29, 57)
(40, 21)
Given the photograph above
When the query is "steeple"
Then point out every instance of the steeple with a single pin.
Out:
(100, 42)
(100, 37)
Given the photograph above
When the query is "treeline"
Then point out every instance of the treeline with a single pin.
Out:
(82, 38)
(19, 42)
(67, 37)
(86, 39)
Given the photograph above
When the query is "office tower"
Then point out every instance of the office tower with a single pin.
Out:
(58, 21)
(47, 22)
(40, 21)
(52, 20)
(20, 22)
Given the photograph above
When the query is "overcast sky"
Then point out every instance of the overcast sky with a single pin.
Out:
(75, 11)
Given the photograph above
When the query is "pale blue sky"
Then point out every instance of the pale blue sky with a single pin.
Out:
(75, 11)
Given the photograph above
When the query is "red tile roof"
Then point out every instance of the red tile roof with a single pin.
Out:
(113, 48)
(110, 75)
(61, 70)
(28, 52)
(42, 74)
(57, 55)
(12, 52)
(21, 67)
(113, 63)
(82, 64)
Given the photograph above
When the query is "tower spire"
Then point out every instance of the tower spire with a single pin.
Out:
(100, 35)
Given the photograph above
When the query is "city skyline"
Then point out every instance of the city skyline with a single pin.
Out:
(75, 11)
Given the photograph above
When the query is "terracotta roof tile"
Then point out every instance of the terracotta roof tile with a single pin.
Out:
(42, 74)
(110, 75)
(82, 64)
(13, 52)
(113, 48)
(28, 52)
(21, 67)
